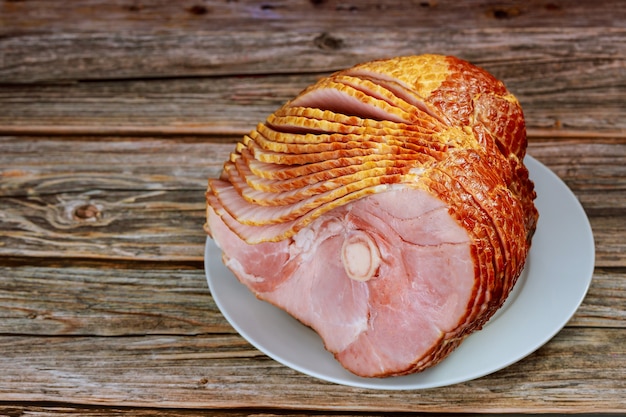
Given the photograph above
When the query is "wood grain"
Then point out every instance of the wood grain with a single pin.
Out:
(111, 55)
(100, 164)
(96, 300)
(139, 225)
(91, 39)
(561, 95)
(569, 374)
(189, 15)
(100, 411)
(144, 199)
(114, 114)
(186, 349)
(100, 301)
(157, 226)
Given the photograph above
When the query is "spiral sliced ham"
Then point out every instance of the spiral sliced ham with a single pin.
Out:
(387, 207)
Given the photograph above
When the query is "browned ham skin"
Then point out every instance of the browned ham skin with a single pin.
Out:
(387, 207)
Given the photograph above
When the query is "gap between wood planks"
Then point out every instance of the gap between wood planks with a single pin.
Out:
(231, 136)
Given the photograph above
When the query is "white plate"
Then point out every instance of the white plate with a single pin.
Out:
(556, 278)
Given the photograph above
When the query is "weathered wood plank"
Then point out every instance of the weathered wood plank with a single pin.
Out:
(101, 223)
(111, 55)
(98, 300)
(588, 166)
(605, 303)
(135, 200)
(144, 199)
(158, 226)
(102, 301)
(228, 105)
(609, 235)
(594, 169)
(35, 410)
(66, 410)
(580, 370)
(37, 166)
(562, 94)
(90, 15)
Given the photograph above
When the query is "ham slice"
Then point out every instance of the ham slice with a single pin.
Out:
(387, 207)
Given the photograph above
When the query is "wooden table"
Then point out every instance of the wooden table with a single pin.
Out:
(114, 114)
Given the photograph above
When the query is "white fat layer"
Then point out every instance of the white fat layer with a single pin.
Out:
(238, 269)
(306, 241)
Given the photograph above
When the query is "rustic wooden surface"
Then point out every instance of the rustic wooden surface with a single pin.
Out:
(113, 115)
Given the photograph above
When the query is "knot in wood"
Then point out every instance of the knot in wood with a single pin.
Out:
(326, 41)
(505, 12)
(87, 212)
(198, 10)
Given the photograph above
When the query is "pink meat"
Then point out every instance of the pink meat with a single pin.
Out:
(421, 288)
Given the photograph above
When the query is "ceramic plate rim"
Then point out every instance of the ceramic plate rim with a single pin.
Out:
(563, 251)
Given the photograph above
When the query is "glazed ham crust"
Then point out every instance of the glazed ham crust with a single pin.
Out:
(387, 207)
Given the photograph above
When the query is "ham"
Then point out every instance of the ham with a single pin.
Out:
(387, 207)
